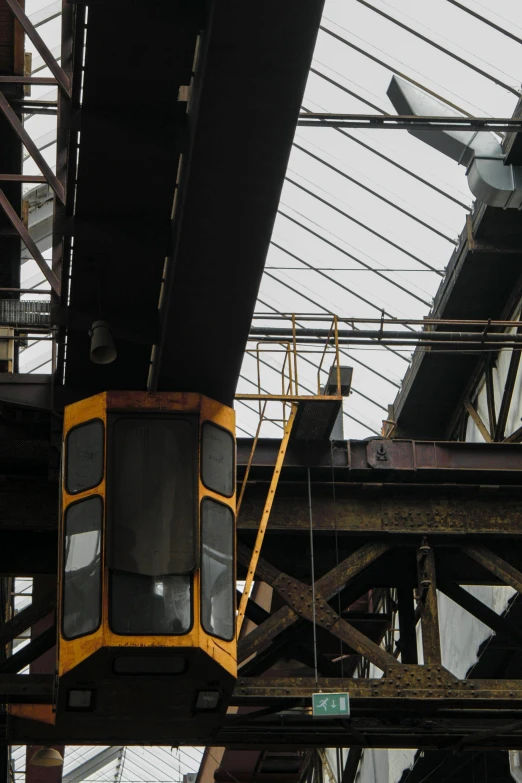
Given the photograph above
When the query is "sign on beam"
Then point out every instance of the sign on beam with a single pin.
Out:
(327, 704)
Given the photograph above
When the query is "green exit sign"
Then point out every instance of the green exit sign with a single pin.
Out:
(327, 704)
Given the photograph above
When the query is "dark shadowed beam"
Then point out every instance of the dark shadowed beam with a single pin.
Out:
(507, 394)
(27, 617)
(352, 765)
(28, 554)
(30, 652)
(230, 189)
(496, 565)
(26, 688)
(478, 609)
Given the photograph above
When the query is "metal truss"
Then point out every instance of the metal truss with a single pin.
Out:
(412, 520)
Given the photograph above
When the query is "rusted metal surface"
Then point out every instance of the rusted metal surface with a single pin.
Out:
(496, 565)
(31, 147)
(402, 683)
(395, 460)
(326, 588)
(40, 45)
(428, 606)
(377, 510)
(26, 237)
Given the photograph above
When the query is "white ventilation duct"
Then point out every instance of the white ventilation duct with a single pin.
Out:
(515, 765)
(490, 180)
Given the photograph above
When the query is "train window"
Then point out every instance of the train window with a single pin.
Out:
(84, 464)
(152, 496)
(217, 459)
(150, 605)
(82, 570)
(217, 569)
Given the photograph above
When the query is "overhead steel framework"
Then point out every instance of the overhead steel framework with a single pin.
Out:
(386, 522)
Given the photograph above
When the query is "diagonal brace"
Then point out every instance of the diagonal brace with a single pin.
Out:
(501, 625)
(26, 655)
(495, 565)
(298, 597)
(26, 618)
(46, 55)
(28, 241)
(31, 147)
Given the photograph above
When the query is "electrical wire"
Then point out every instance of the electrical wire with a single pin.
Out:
(346, 253)
(312, 576)
(396, 164)
(377, 195)
(486, 21)
(345, 89)
(328, 242)
(308, 361)
(287, 285)
(310, 391)
(444, 38)
(320, 151)
(336, 538)
(366, 366)
(370, 230)
(319, 272)
(391, 68)
(487, 8)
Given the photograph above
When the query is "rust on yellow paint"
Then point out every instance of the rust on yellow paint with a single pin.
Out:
(72, 652)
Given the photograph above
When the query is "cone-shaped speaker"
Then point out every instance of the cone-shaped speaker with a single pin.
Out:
(46, 757)
(103, 350)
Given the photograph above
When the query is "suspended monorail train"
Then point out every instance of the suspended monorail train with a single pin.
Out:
(146, 605)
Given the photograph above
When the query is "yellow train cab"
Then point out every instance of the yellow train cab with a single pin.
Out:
(146, 609)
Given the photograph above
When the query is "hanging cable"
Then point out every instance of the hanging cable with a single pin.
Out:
(392, 69)
(448, 40)
(320, 150)
(345, 288)
(444, 38)
(394, 162)
(352, 358)
(334, 498)
(377, 195)
(499, 16)
(308, 361)
(323, 274)
(345, 89)
(310, 391)
(312, 565)
(332, 244)
(287, 285)
(349, 255)
(369, 229)
(440, 48)
(486, 21)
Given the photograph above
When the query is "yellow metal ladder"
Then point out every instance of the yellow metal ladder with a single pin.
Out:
(266, 512)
